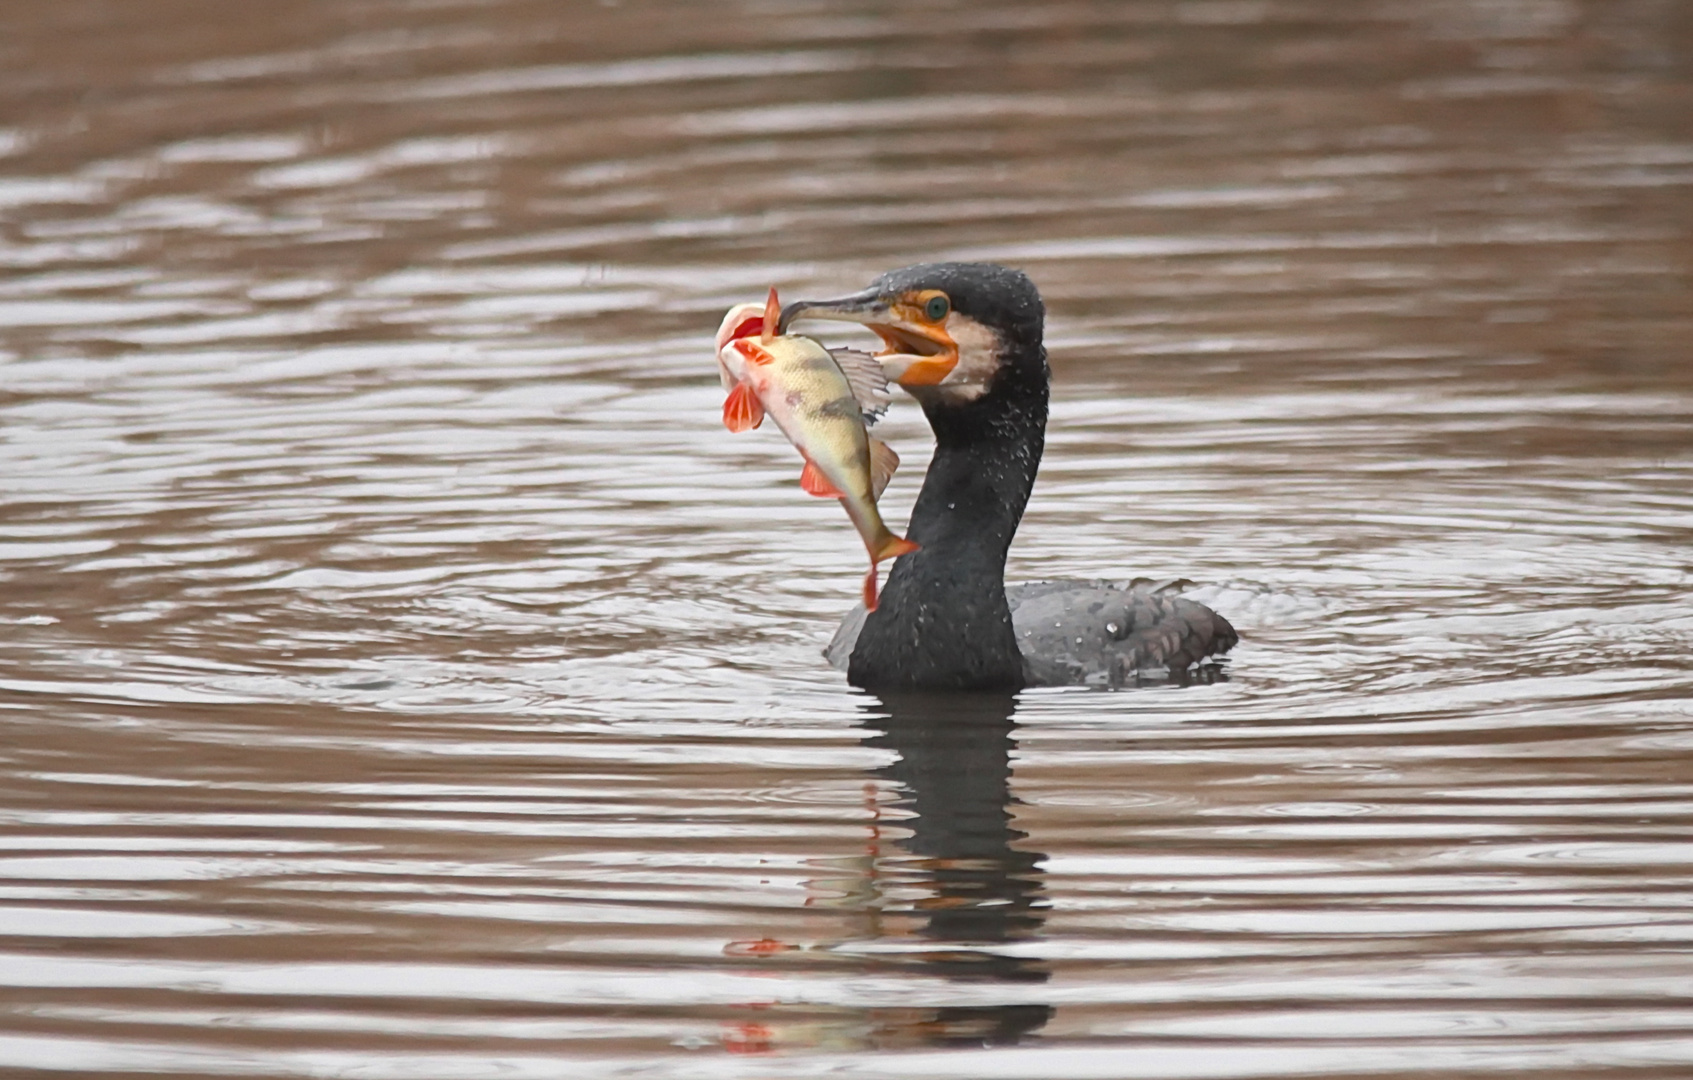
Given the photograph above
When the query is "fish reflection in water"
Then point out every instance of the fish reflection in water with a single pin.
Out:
(973, 891)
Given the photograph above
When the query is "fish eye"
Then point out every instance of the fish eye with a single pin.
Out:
(936, 308)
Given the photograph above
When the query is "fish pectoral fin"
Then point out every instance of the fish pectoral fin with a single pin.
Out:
(812, 480)
(742, 411)
(868, 381)
(883, 462)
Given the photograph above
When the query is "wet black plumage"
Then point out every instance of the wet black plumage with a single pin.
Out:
(946, 619)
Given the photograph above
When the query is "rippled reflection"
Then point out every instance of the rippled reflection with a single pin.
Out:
(978, 893)
(939, 891)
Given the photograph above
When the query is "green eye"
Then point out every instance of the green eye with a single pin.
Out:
(936, 308)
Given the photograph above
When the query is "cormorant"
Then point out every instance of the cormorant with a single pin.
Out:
(965, 340)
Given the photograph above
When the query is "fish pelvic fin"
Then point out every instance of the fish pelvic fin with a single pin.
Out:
(772, 317)
(883, 462)
(742, 411)
(813, 482)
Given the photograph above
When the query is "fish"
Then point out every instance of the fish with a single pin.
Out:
(865, 373)
(822, 401)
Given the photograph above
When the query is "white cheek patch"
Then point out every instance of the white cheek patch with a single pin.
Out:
(978, 360)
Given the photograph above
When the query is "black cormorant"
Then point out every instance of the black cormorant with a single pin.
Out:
(965, 340)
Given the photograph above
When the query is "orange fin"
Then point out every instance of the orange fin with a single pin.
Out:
(895, 546)
(742, 411)
(883, 462)
(811, 478)
(772, 316)
(892, 547)
(752, 352)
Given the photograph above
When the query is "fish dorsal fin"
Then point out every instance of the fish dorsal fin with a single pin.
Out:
(883, 462)
(772, 317)
(868, 381)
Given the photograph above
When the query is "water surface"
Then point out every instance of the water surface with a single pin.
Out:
(404, 675)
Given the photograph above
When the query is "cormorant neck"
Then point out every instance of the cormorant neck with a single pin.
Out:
(977, 486)
(943, 621)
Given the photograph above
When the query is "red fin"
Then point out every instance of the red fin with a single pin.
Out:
(811, 478)
(772, 316)
(742, 411)
(752, 352)
(892, 547)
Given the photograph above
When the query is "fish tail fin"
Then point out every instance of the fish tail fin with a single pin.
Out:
(772, 317)
(883, 462)
(895, 546)
(742, 411)
(891, 548)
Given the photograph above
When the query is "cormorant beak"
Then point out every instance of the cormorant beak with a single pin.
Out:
(917, 350)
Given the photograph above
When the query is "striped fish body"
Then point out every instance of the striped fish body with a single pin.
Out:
(797, 383)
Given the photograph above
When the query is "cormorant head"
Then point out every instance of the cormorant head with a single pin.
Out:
(952, 332)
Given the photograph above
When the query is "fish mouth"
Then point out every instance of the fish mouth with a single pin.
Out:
(743, 320)
(916, 350)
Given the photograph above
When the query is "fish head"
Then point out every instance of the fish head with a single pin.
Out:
(742, 321)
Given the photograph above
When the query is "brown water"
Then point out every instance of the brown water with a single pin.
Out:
(404, 675)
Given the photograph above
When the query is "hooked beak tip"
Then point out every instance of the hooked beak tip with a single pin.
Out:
(914, 355)
(864, 307)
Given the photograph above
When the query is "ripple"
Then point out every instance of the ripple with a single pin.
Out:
(405, 675)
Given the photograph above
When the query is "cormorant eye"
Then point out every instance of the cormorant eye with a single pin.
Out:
(936, 308)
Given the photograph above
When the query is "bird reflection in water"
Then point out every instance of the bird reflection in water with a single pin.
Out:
(942, 892)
